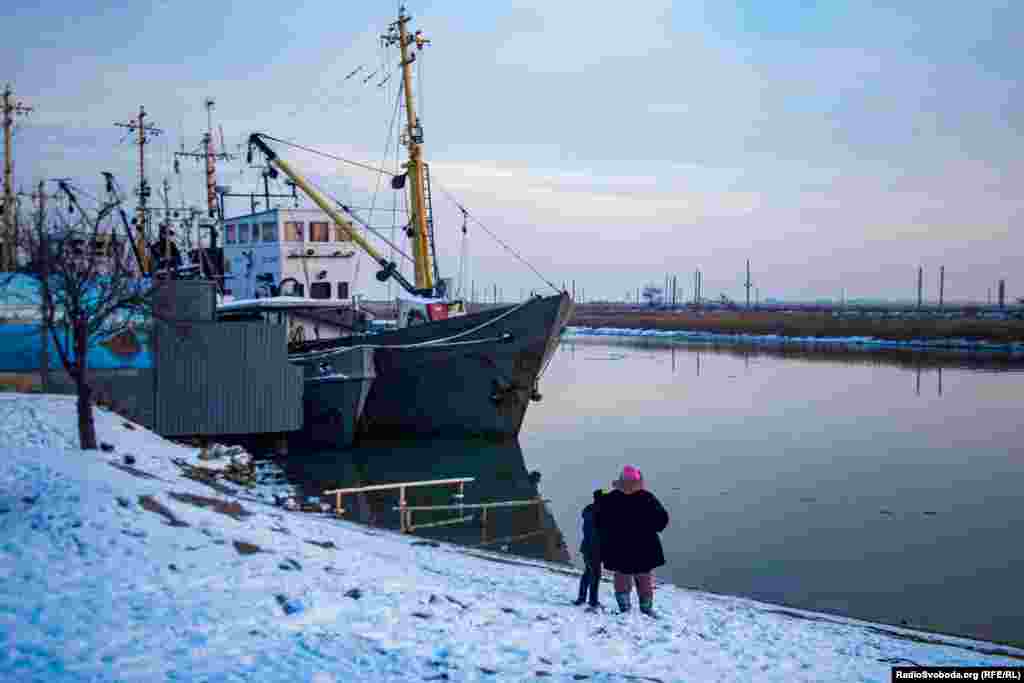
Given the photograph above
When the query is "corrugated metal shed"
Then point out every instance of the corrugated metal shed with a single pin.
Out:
(225, 378)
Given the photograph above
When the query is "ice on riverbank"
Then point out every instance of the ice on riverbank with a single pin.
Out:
(135, 572)
(1012, 348)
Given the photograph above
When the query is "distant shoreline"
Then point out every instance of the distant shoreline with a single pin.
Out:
(924, 331)
(1011, 350)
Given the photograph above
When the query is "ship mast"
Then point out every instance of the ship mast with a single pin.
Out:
(418, 229)
(142, 214)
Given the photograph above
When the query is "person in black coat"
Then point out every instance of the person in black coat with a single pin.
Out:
(629, 520)
(590, 548)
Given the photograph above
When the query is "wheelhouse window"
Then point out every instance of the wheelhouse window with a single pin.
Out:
(270, 232)
(320, 290)
(293, 231)
(342, 290)
(243, 233)
(340, 235)
(318, 232)
(229, 233)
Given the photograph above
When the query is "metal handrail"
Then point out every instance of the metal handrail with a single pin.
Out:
(401, 486)
(382, 487)
(475, 506)
(406, 511)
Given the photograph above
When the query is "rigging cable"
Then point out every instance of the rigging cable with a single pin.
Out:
(463, 255)
(498, 239)
(325, 154)
(387, 150)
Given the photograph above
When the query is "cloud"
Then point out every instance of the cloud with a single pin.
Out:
(579, 195)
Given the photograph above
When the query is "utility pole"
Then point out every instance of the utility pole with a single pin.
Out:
(748, 283)
(9, 241)
(139, 126)
(942, 284)
(1002, 294)
(920, 284)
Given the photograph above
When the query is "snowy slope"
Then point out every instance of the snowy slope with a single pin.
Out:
(96, 583)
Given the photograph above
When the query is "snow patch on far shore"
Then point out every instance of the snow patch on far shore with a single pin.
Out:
(1012, 348)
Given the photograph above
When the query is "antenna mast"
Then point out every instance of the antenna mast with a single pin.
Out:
(8, 243)
(211, 157)
(142, 129)
(419, 229)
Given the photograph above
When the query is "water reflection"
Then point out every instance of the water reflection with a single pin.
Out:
(921, 362)
(499, 471)
(904, 358)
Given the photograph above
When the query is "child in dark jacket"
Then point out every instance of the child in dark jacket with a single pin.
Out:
(629, 520)
(590, 548)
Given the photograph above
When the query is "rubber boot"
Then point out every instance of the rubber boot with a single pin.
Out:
(583, 592)
(623, 600)
(647, 606)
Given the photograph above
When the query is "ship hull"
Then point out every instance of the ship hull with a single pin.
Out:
(470, 375)
(334, 397)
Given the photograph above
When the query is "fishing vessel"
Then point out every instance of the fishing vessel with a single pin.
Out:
(444, 370)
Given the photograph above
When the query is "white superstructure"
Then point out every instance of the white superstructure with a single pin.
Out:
(299, 250)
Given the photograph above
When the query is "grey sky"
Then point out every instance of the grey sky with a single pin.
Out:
(836, 146)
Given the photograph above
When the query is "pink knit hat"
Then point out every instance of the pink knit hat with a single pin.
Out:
(630, 473)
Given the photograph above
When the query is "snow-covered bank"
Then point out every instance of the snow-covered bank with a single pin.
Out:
(111, 570)
(967, 345)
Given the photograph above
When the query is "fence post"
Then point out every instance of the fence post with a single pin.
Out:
(483, 525)
(403, 521)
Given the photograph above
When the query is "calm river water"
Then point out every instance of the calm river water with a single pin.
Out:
(883, 487)
(888, 487)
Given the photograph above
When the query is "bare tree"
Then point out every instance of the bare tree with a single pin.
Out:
(88, 290)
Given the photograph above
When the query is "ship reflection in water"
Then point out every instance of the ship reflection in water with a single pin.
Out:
(498, 469)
